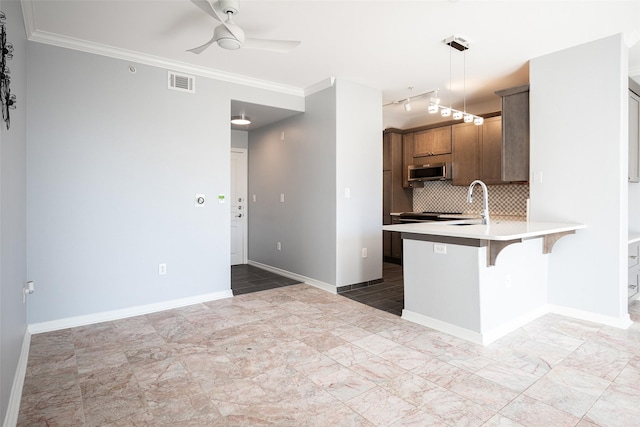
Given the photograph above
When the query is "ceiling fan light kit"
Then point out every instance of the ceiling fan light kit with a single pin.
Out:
(228, 35)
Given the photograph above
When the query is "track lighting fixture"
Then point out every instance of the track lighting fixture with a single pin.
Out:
(407, 106)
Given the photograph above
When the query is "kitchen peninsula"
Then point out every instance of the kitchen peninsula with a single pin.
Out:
(455, 282)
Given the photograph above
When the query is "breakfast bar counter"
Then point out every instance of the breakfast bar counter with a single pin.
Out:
(455, 282)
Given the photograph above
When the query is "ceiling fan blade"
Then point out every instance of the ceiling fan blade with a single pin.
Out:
(282, 46)
(207, 8)
(198, 50)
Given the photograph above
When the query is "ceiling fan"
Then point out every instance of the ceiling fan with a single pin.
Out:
(230, 36)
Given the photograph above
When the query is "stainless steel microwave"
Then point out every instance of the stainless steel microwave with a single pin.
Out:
(431, 172)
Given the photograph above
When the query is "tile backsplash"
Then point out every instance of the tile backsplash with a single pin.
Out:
(442, 196)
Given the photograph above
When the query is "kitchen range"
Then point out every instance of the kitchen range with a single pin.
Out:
(411, 217)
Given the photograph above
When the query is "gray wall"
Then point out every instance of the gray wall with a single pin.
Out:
(13, 234)
(583, 163)
(303, 168)
(335, 145)
(239, 139)
(114, 162)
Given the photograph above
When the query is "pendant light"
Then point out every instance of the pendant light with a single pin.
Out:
(460, 44)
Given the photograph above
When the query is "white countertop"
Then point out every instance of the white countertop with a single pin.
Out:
(496, 230)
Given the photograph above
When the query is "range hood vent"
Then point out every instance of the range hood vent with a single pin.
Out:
(182, 82)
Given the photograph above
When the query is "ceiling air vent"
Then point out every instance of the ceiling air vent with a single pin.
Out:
(182, 82)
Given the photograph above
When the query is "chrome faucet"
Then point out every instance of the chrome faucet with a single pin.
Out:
(485, 212)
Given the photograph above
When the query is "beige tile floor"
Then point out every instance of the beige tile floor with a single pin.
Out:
(299, 356)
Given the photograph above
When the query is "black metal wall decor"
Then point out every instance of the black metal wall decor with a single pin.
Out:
(8, 100)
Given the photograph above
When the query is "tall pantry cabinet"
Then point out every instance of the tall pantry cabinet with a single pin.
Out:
(395, 198)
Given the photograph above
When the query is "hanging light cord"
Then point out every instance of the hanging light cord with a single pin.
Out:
(464, 81)
(450, 84)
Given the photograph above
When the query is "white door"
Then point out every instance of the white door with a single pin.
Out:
(238, 206)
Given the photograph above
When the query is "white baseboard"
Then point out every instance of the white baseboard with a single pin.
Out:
(623, 322)
(513, 324)
(106, 316)
(13, 409)
(303, 279)
(482, 338)
(439, 325)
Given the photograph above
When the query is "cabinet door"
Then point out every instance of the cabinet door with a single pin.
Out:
(466, 153)
(386, 152)
(407, 155)
(634, 255)
(432, 142)
(386, 197)
(634, 137)
(515, 133)
(396, 245)
(492, 151)
(386, 244)
(633, 284)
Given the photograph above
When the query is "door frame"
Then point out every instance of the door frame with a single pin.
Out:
(245, 223)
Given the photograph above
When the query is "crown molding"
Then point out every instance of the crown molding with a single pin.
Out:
(321, 85)
(44, 37)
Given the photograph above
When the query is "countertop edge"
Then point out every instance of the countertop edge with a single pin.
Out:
(500, 231)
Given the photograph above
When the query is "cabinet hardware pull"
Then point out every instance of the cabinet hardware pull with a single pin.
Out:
(633, 286)
(633, 256)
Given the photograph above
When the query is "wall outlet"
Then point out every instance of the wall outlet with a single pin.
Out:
(279, 246)
(281, 197)
(254, 198)
(507, 280)
(162, 269)
(364, 252)
(347, 193)
(439, 248)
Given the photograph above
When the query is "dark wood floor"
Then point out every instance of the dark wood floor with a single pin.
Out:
(387, 295)
(246, 278)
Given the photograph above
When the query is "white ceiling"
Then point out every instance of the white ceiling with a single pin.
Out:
(389, 45)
